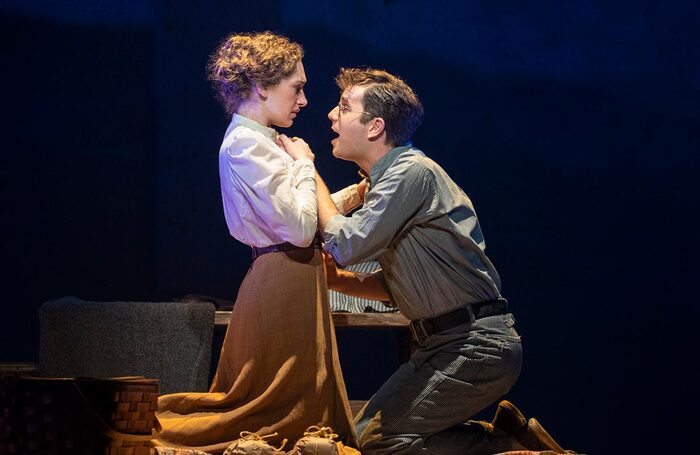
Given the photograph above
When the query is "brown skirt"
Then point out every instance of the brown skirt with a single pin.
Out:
(279, 369)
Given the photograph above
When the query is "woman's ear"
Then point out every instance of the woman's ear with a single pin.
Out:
(262, 91)
(376, 128)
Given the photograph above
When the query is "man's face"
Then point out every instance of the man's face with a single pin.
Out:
(351, 143)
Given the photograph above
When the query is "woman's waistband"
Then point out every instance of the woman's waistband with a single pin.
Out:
(286, 246)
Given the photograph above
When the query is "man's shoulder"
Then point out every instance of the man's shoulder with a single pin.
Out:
(418, 168)
(409, 162)
(416, 162)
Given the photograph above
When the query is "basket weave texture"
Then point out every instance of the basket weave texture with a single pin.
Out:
(48, 416)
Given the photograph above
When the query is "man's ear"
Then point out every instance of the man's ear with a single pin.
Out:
(376, 128)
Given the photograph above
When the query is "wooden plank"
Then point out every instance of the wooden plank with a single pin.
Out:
(222, 317)
(370, 320)
(356, 406)
(367, 320)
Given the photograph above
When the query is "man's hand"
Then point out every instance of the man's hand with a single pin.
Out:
(357, 284)
(332, 274)
(296, 147)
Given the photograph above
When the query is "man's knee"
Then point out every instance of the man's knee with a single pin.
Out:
(374, 441)
(388, 444)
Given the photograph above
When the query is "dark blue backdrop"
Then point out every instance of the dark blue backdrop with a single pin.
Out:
(573, 126)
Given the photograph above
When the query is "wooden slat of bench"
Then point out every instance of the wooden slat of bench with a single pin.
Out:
(367, 320)
(356, 406)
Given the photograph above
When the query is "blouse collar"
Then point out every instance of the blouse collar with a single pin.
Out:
(252, 124)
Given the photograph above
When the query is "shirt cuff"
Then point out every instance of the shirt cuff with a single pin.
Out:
(305, 161)
(304, 169)
(332, 229)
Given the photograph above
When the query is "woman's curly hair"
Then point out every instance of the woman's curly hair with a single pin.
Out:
(245, 59)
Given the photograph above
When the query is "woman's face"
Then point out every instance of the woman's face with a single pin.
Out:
(285, 100)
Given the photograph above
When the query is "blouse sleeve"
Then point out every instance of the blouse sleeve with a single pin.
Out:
(346, 199)
(281, 191)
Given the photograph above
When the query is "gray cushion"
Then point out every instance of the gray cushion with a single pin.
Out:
(170, 341)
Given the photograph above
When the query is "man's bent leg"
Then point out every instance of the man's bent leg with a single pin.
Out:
(453, 376)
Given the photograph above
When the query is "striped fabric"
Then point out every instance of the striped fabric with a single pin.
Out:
(347, 304)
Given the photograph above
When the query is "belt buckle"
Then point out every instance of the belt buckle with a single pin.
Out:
(418, 330)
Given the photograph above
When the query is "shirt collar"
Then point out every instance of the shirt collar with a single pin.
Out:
(252, 124)
(387, 160)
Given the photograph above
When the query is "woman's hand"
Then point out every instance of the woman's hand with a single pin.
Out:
(296, 147)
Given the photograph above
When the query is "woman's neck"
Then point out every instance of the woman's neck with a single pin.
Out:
(254, 112)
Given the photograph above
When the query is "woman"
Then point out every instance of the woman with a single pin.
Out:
(279, 370)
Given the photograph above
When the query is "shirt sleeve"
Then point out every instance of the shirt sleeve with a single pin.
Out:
(401, 198)
(281, 191)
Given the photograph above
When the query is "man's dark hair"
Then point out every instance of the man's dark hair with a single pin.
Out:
(388, 97)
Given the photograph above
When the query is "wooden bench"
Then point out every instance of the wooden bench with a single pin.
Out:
(360, 320)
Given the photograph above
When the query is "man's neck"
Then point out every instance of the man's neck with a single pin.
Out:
(373, 156)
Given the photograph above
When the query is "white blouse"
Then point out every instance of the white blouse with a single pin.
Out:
(269, 197)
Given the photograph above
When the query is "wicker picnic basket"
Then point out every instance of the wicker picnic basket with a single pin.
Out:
(47, 416)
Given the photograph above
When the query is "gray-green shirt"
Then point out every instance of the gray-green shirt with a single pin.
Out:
(423, 230)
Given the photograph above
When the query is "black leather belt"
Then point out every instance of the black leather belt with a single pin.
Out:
(423, 328)
(286, 246)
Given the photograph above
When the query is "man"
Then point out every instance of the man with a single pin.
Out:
(422, 229)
